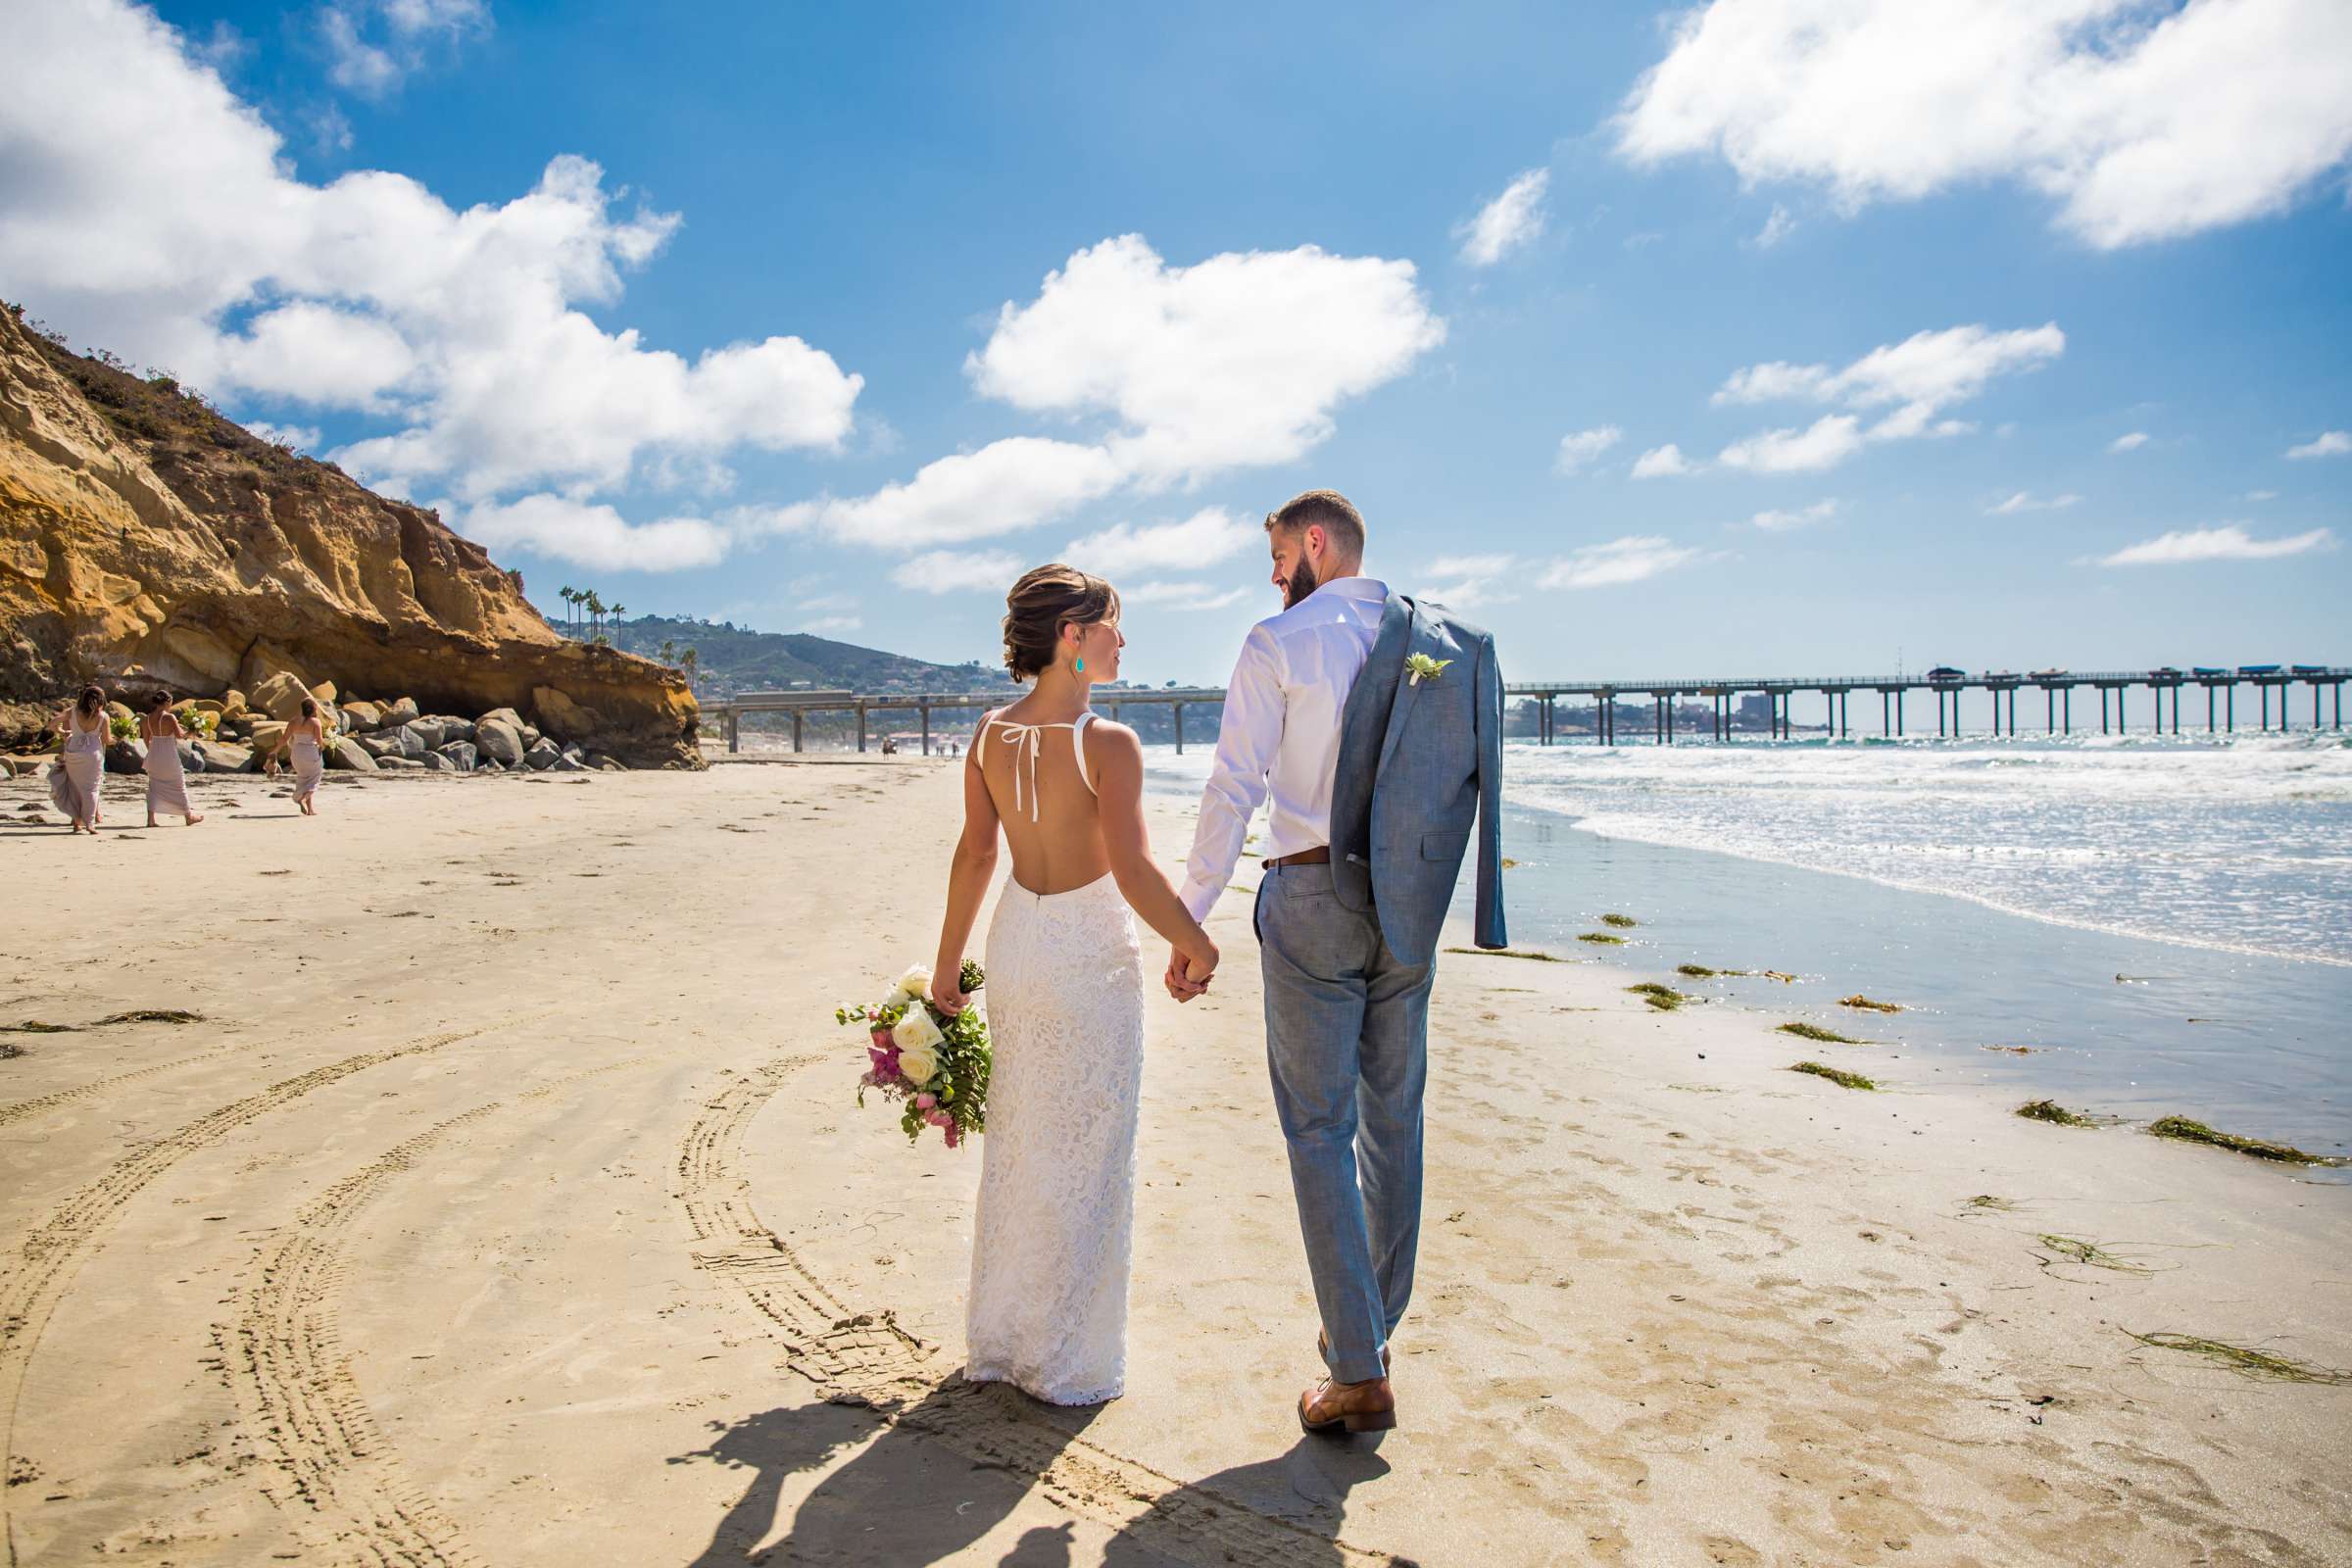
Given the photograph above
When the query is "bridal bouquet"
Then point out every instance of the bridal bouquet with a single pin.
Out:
(936, 1063)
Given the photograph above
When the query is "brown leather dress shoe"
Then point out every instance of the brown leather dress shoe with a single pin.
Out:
(1330, 1408)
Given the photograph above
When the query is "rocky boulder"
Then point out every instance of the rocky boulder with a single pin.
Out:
(381, 746)
(280, 697)
(460, 755)
(542, 753)
(499, 741)
(396, 763)
(362, 718)
(402, 711)
(347, 752)
(146, 540)
(266, 735)
(221, 758)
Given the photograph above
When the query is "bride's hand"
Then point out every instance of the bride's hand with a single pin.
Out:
(1198, 972)
(947, 995)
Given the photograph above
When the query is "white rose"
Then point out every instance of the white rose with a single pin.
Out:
(916, 981)
(916, 1031)
(918, 1065)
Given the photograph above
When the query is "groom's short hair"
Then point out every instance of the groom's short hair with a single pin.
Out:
(1327, 509)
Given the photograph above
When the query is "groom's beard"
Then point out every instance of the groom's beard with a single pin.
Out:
(1302, 583)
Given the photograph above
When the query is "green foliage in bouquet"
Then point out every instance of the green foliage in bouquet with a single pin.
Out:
(940, 1073)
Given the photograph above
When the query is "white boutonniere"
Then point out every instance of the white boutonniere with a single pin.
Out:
(1421, 667)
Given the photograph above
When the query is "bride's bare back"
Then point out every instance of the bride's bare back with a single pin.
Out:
(1046, 795)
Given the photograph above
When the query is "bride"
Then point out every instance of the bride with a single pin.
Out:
(1052, 1239)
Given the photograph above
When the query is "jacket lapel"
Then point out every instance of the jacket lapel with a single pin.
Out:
(1400, 705)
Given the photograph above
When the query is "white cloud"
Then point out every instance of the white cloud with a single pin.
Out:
(1182, 595)
(1777, 227)
(2330, 444)
(301, 437)
(2262, 495)
(948, 571)
(2141, 126)
(1206, 537)
(1004, 487)
(1582, 445)
(373, 70)
(1661, 462)
(2027, 501)
(1824, 444)
(2130, 441)
(1779, 521)
(592, 535)
(2228, 541)
(1464, 582)
(1920, 376)
(825, 623)
(1621, 561)
(1237, 361)
(154, 213)
(1508, 223)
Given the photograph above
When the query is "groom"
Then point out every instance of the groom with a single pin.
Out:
(1375, 724)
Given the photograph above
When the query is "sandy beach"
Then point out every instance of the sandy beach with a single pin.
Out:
(509, 1204)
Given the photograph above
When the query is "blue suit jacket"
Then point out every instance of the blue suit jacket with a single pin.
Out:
(1420, 762)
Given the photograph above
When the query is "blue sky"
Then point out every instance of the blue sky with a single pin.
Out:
(788, 353)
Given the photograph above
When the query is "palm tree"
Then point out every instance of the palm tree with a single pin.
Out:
(596, 610)
(570, 597)
(693, 661)
(669, 651)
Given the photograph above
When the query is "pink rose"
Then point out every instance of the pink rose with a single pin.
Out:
(886, 1063)
(925, 1102)
(881, 1037)
(953, 1136)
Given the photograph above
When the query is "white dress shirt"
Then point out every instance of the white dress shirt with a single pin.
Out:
(1280, 736)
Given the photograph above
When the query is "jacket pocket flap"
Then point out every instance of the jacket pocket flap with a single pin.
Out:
(1445, 845)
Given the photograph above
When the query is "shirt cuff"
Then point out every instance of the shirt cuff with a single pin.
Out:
(1199, 898)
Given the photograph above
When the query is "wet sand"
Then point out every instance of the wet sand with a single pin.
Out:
(510, 1206)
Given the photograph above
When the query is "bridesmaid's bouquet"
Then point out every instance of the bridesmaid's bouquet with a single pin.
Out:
(935, 1061)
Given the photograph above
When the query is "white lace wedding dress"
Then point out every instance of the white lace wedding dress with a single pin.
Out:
(1055, 1225)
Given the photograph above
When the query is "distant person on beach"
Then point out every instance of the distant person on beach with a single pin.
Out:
(1374, 721)
(79, 771)
(306, 739)
(167, 782)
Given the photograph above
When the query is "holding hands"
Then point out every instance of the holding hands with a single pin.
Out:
(1188, 977)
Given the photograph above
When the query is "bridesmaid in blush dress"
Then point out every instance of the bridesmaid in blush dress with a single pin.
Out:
(167, 782)
(74, 782)
(306, 739)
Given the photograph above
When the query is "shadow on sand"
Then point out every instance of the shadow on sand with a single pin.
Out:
(913, 1495)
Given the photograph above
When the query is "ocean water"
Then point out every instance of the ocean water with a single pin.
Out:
(2165, 925)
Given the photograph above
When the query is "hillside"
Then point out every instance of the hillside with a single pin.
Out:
(735, 659)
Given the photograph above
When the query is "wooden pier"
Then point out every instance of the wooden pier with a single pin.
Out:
(1608, 712)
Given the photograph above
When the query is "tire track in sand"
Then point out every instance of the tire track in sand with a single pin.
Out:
(44, 1266)
(863, 1357)
(293, 1381)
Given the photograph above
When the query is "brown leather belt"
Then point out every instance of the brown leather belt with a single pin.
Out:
(1320, 854)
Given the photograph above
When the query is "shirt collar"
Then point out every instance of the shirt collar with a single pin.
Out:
(1352, 588)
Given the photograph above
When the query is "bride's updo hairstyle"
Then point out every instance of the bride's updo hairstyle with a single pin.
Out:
(1043, 602)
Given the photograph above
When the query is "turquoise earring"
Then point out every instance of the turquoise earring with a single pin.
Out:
(1081, 663)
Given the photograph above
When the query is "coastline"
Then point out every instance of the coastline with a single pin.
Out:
(559, 1201)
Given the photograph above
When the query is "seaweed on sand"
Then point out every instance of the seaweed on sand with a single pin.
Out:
(1622, 922)
(1866, 1004)
(2054, 1113)
(1815, 1031)
(2245, 1360)
(1987, 1203)
(1509, 952)
(150, 1015)
(2197, 1132)
(34, 1026)
(8, 1047)
(1601, 939)
(1836, 1075)
(1699, 971)
(2075, 1250)
(1663, 998)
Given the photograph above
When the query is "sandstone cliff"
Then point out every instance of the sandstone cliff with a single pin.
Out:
(146, 541)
